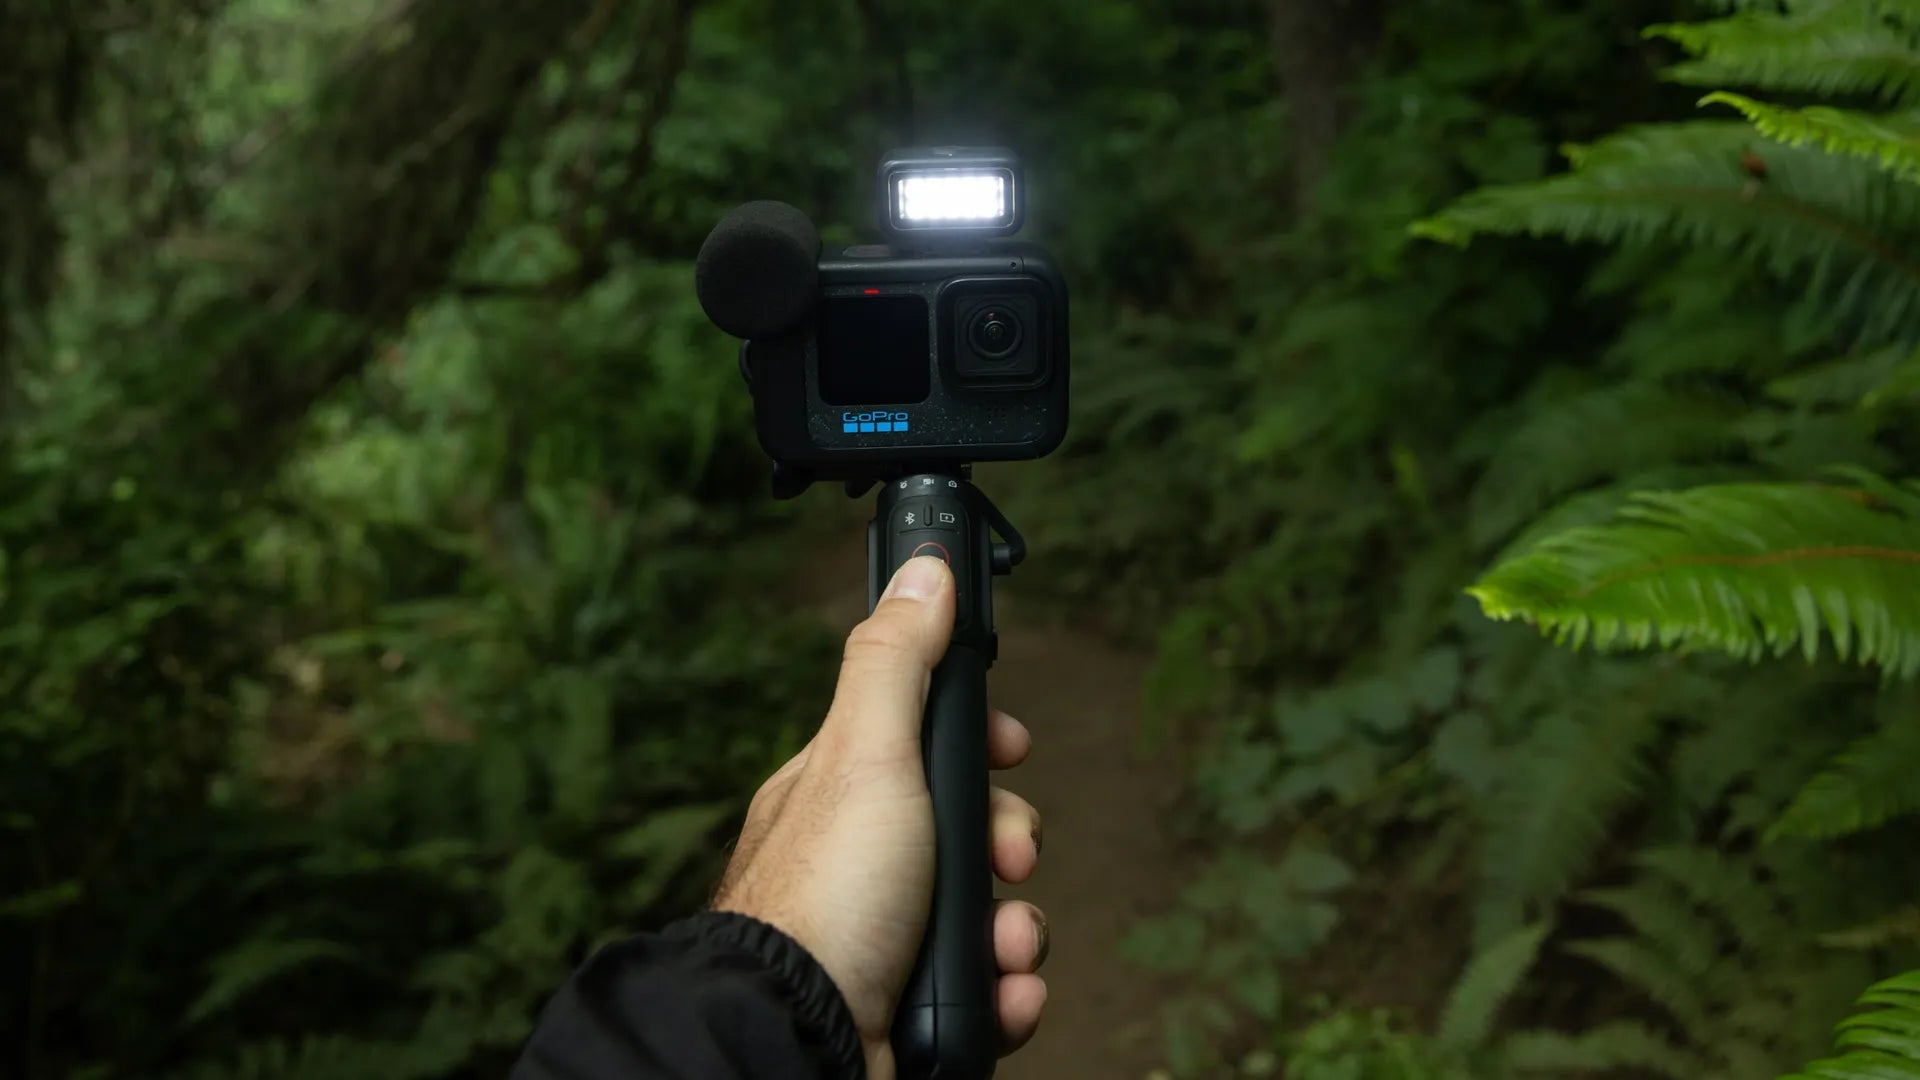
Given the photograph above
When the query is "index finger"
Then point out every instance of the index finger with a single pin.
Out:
(1008, 740)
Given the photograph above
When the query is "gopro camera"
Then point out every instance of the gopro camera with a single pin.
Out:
(905, 363)
(944, 346)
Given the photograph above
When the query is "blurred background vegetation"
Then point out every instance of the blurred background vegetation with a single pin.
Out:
(390, 601)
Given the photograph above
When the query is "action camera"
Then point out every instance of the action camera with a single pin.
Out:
(944, 346)
(903, 364)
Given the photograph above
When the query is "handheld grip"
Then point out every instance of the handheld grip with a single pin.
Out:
(945, 1026)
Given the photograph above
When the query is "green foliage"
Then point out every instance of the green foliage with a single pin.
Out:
(1883, 1042)
(1840, 48)
(1368, 1046)
(389, 608)
(1236, 924)
(1891, 141)
(1845, 224)
(1622, 1045)
(1551, 810)
(1553, 451)
(1686, 452)
(1715, 945)
(1485, 986)
(1751, 569)
(1866, 785)
(390, 616)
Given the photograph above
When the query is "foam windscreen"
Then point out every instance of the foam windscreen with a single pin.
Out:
(758, 272)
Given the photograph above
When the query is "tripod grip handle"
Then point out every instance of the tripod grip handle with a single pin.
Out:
(945, 1026)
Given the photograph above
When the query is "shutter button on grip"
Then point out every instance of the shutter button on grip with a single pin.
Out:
(936, 527)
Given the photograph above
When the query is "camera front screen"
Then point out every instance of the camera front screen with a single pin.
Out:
(873, 350)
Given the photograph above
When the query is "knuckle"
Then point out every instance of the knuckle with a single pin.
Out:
(763, 799)
(882, 641)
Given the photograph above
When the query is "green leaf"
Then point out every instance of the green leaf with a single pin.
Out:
(1463, 749)
(40, 903)
(1891, 141)
(1309, 870)
(1868, 784)
(1549, 816)
(1489, 980)
(1258, 989)
(1553, 451)
(1841, 48)
(580, 754)
(1852, 380)
(1379, 703)
(1851, 224)
(667, 841)
(1662, 916)
(1620, 1044)
(1880, 1045)
(1749, 569)
(244, 970)
(1434, 680)
(1903, 925)
(1349, 773)
(1168, 944)
(1311, 726)
(1642, 967)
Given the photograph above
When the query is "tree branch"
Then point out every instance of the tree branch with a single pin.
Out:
(373, 203)
(1319, 47)
(664, 57)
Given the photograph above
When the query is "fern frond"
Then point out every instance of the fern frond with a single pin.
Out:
(1748, 569)
(323, 1057)
(1660, 915)
(1728, 889)
(1866, 785)
(1633, 963)
(1852, 380)
(1622, 1045)
(1879, 1045)
(1851, 224)
(1608, 432)
(1901, 384)
(1551, 813)
(1890, 140)
(254, 964)
(1839, 49)
(1903, 925)
(1487, 983)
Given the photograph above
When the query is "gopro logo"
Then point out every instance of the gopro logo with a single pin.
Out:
(852, 422)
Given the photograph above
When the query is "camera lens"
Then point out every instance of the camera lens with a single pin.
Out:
(994, 332)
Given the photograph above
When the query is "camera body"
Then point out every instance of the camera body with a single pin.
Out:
(944, 347)
(917, 360)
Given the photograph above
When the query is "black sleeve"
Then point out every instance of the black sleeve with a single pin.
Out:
(713, 997)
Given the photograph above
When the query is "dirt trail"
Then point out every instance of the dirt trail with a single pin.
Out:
(1108, 859)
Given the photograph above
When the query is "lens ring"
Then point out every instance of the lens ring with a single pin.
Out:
(994, 332)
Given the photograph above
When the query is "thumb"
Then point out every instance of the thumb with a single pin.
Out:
(890, 657)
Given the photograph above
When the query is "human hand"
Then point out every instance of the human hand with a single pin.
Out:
(838, 851)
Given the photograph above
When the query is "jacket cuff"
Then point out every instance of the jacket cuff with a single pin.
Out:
(820, 1011)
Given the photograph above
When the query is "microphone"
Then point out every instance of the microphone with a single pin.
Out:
(759, 270)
